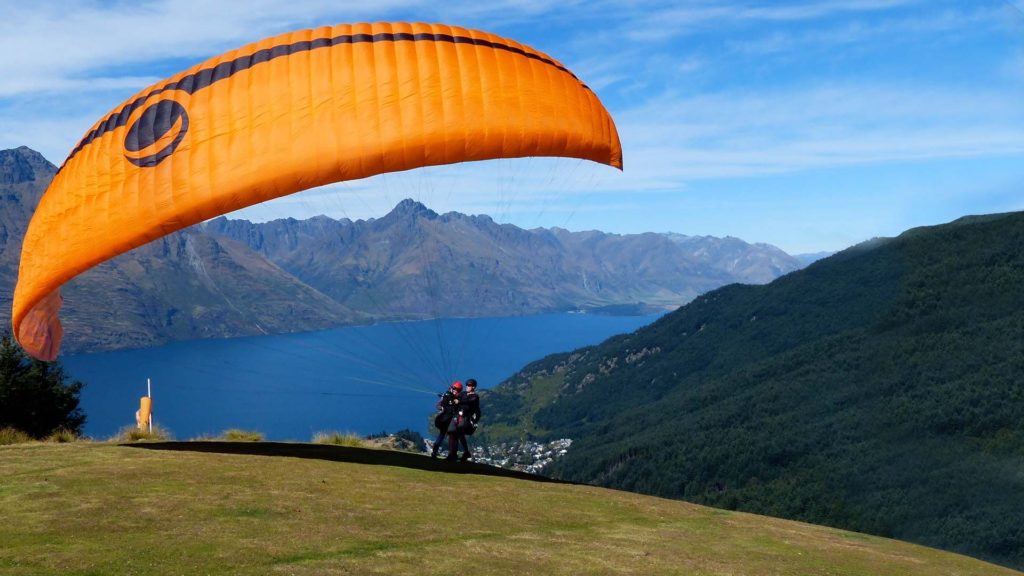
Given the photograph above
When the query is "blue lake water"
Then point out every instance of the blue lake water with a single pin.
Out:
(362, 379)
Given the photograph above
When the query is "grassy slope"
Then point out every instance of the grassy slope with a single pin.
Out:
(104, 509)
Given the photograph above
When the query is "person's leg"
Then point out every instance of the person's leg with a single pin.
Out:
(437, 444)
(465, 446)
(453, 446)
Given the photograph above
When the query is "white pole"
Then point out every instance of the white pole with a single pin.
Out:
(149, 393)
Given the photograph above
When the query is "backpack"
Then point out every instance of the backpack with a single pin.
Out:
(441, 421)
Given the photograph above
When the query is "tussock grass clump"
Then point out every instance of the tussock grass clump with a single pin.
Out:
(10, 435)
(339, 439)
(236, 435)
(133, 434)
(62, 435)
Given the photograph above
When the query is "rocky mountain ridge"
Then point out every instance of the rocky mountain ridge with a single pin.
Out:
(415, 261)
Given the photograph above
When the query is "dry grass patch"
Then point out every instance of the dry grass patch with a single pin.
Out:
(236, 435)
(62, 435)
(133, 434)
(9, 435)
(340, 439)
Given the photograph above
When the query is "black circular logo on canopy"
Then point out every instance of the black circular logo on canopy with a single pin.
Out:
(156, 134)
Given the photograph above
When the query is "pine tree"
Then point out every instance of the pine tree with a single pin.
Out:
(35, 396)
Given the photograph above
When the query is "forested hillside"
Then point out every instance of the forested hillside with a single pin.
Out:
(880, 390)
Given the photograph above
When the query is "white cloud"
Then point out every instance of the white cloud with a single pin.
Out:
(948, 23)
(34, 84)
(675, 19)
(744, 134)
(70, 44)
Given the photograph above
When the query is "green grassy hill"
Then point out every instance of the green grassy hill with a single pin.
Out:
(264, 508)
(880, 390)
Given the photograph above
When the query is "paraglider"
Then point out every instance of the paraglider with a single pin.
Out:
(289, 113)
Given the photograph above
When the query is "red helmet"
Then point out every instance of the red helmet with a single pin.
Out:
(457, 385)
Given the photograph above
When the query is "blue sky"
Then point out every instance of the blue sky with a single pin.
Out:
(808, 125)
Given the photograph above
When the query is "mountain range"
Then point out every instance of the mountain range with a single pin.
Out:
(878, 390)
(414, 263)
(230, 277)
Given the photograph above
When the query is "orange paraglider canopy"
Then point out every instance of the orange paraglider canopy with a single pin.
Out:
(289, 113)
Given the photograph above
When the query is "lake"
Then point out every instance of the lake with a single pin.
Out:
(363, 379)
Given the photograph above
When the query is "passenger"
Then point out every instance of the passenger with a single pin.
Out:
(446, 408)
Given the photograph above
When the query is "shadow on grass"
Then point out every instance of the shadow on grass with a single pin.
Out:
(342, 454)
